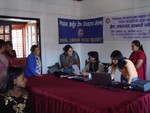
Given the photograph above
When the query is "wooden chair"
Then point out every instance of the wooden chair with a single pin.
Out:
(106, 66)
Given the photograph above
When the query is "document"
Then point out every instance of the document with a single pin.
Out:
(63, 76)
(76, 69)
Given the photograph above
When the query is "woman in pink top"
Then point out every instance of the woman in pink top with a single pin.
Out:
(138, 58)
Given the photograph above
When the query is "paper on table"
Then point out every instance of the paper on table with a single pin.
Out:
(76, 69)
(62, 76)
(70, 77)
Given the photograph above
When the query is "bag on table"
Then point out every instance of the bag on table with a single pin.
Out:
(54, 68)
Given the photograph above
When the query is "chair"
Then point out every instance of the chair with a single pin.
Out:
(106, 66)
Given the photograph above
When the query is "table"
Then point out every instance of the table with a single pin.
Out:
(60, 95)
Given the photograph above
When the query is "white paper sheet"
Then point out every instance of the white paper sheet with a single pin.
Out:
(76, 69)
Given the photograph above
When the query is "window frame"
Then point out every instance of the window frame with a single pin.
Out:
(7, 18)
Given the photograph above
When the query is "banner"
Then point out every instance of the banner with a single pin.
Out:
(127, 27)
(80, 31)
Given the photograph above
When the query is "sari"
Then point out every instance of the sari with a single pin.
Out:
(67, 61)
(134, 57)
(3, 68)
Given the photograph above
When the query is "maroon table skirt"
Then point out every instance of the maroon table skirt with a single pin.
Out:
(60, 95)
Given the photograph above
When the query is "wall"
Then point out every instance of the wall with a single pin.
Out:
(100, 8)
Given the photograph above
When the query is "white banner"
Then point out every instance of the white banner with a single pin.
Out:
(127, 27)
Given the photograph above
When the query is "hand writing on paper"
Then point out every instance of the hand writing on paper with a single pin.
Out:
(85, 74)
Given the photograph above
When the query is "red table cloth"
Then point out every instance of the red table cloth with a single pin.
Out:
(60, 95)
(17, 62)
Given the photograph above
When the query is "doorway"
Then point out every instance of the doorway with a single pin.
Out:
(22, 32)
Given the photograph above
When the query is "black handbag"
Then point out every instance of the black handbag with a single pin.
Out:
(54, 68)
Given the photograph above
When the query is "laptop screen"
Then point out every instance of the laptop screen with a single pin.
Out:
(101, 78)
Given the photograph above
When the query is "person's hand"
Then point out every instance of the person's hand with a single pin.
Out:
(85, 74)
(126, 86)
(73, 71)
(113, 79)
(39, 75)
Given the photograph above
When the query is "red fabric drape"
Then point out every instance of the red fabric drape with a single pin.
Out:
(134, 57)
(59, 95)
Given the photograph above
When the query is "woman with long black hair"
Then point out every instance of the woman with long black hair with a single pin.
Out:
(125, 66)
(138, 57)
(13, 96)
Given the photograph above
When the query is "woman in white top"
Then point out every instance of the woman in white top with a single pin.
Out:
(125, 66)
(93, 65)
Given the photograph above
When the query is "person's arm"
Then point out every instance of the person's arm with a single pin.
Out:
(62, 61)
(78, 62)
(31, 65)
(85, 70)
(138, 63)
(39, 75)
(113, 71)
(131, 71)
(77, 59)
(100, 68)
(141, 58)
(66, 69)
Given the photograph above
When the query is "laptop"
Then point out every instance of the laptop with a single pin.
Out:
(101, 78)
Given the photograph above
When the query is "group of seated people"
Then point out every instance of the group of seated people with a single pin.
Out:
(131, 68)
(13, 81)
(134, 66)
(6, 52)
(8, 56)
(70, 57)
(13, 96)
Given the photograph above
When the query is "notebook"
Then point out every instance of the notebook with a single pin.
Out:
(101, 78)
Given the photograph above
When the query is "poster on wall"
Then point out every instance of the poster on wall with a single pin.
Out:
(80, 31)
(131, 27)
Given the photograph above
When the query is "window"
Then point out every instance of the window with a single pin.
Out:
(17, 42)
(5, 32)
(23, 32)
(23, 37)
(31, 35)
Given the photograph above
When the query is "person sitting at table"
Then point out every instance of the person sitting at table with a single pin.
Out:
(93, 65)
(69, 58)
(3, 63)
(9, 52)
(138, 57)
(33, 63)
(125, 66)
(13, 96)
